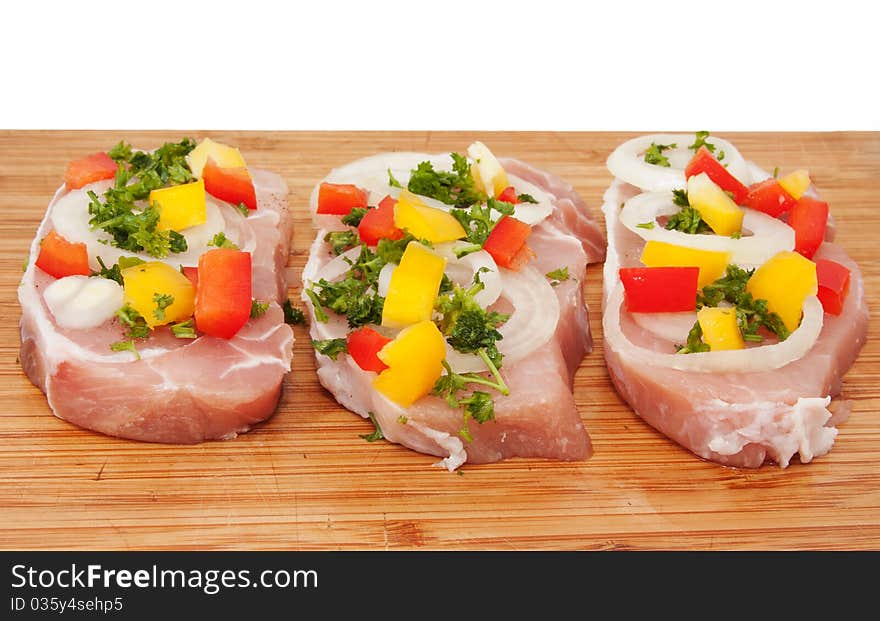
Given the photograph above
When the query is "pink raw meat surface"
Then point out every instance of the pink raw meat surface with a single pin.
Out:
(180, 391)
(738, 419)
(539, 417)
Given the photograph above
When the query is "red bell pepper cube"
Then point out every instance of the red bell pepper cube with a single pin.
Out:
(507, 243)
(379, 223)
(193, 274)
(223, 297)
(660, 289)
(770, 197)
(705, 162)
(509, 196)
(340, 198)
(809, 219)
(95, 167)
(833, 285)
(363, 346)
(59, 257)
(233, 185)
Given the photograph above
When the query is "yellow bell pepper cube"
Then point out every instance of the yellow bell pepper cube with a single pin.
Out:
(414, 286)
(489, 175)
(712, 264)
(180, 206)
(425, 222)
(720, 330)
(145, 284)
(716, 208)
(785, 281)
(420, 341)
(223, 155)
(796, 183)
(414, 362)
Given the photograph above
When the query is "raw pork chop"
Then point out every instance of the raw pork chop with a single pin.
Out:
(180, 391)
(539, 417)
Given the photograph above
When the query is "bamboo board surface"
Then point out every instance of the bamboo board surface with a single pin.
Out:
(305, 480)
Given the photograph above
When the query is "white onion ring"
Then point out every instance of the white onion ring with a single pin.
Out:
(371, 173)
(535, 315)
(673, 327)
(751, 360)
(627, 162)
(769, 235)
(334, 268)
(384, 281)
(461, 271)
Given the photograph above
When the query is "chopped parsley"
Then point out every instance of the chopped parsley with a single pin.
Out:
(163, 301)
(455, 188)
(341, 241)
(134, 322)
(700, 141)
(293, 316)
(394, 183)
(127, 345)
(695, 342)
(221, 241)
(244, 209)
(645, 225)
(118, 213)
(557, 276)
(688, 219)
(654, 154)
(402, 419)
(258, 309)
(330, 347)
(776, 172)
(526, 198)
(478, 405)
(354, 217)
(184, 329)
(112, 273)
(377, 432)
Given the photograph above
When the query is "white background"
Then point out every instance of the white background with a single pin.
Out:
(446, 64)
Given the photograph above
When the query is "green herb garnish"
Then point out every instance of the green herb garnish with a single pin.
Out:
(452, 188)
(163, 301)
(688, 220)
(221, 241)
(654, 154)
(184, 329)
(258, 309)
(701, 141)
(377, 433)
(645, 225)
(526, 198)
(394, 183)
(557, 276)
(330, 347)
(341, 241)
(354, 217)
(293, 316)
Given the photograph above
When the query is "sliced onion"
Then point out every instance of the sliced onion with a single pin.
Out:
(769, 235)
(673, 327)
(752, 359)
(627, 162)
(464, 363)
(336, 267)
(461, 271)
(535, 313)
(385, 279)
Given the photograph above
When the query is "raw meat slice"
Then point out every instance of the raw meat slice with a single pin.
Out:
(741, 418)
(539, 418)
(180, 391)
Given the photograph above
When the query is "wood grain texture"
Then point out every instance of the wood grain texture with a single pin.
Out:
(305, 480)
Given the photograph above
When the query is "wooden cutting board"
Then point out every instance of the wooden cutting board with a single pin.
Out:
(305, 480)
